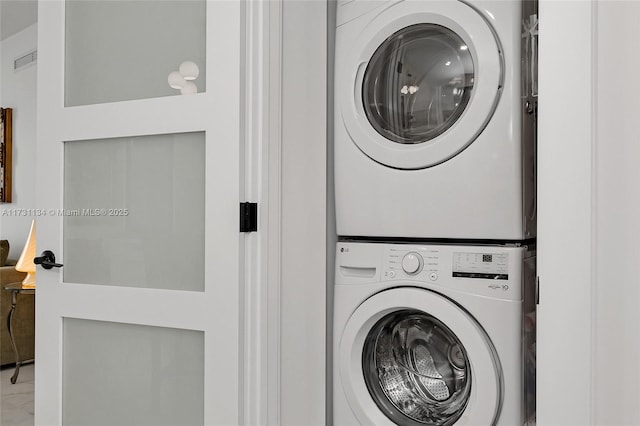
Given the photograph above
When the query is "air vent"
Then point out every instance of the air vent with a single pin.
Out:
(25, 60)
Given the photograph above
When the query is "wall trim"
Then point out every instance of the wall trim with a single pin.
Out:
(262, 169)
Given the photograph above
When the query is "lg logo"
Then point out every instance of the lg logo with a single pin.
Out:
(344, 250)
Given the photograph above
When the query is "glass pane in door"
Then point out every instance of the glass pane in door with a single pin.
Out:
(134, 211)
(122, 374)
(126, 50)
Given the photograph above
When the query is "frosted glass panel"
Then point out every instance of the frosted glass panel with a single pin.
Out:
(120, 374)
(125, 50)
(134, 211)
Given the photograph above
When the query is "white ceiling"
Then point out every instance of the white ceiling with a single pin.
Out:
(16, 15)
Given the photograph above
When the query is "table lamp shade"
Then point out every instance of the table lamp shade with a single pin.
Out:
(25, 263)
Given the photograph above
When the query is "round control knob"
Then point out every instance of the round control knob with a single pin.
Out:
(412, 263)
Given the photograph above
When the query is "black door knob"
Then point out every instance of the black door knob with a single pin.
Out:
(47, 259)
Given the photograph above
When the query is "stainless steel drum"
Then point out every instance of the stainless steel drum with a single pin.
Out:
(416, 369)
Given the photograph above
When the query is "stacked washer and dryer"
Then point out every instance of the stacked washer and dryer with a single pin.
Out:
(434, 310)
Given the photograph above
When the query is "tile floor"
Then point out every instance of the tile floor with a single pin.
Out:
(16, 407)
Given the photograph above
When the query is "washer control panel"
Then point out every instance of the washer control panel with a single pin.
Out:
(412, 263)
(431, 263)
(484, 270)
(494, 266)
(417, 262)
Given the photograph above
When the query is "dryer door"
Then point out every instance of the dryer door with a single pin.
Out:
(413, 357)
(426, 80)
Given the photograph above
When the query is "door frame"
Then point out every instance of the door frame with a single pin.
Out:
(262, 129)
(285, 292)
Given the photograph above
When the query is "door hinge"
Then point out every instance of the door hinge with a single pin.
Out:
(248, 217)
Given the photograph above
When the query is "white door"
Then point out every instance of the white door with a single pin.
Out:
(140, 186)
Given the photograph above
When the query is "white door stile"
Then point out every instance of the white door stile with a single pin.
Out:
(216, 311)
(48, 351)
(225, 130)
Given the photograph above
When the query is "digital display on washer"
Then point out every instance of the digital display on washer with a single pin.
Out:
(494, 266)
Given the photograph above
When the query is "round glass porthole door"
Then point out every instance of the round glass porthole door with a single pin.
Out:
(418, 83)
(414, 357)
(416, 369)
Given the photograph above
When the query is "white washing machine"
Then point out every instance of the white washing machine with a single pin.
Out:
(433, 137)
(434, 335)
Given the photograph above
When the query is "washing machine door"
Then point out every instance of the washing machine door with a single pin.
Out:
(421, 82)
(413, 357)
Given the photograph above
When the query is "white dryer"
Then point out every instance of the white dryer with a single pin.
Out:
(432, 137)
(434, 335)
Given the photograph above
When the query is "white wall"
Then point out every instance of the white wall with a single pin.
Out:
(304, 204)
(19, 93)
(16, 15)
(565, 140)
(616, 383)
(588, 228)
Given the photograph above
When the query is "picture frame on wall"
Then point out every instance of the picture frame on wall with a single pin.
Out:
(5, 154)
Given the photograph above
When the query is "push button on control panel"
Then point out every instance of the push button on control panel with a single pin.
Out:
(412, 263)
